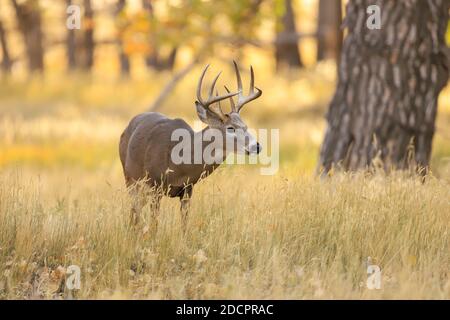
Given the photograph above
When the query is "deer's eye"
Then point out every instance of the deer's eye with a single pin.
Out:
(230, 129)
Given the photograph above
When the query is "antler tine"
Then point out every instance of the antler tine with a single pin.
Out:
(199, 85)
(252, 80)
(252, 84)
(211, 91)
(249, 98)
(209, 104)
(242, 100)
(233, 106)
(217, 109)
(238, 76)
(218, 102)
(219, 98)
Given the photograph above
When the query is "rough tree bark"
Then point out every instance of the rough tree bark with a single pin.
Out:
(329, 34)
(29, 19)
(6, 63)
(385, 103)
(287, 54)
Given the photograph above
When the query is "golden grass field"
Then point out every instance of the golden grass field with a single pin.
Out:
(288, 236)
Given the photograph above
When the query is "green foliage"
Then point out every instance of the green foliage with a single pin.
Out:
(190, 23)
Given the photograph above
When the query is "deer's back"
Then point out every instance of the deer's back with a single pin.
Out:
(145, 146)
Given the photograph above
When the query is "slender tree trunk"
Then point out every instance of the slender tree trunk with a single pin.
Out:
(71, 45)
(151, 60)
(287, 54)
(385, 103)
(88, 37)
(169, 62)
(329, 34)
(123, 57)
(29, 19)
(6, 63)
(154, 59)
(243, 27)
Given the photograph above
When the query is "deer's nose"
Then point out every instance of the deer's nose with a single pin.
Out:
(253, 149)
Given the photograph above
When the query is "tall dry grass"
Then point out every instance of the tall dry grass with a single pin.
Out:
(289, 236)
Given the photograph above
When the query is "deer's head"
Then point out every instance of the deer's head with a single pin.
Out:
(230, 124)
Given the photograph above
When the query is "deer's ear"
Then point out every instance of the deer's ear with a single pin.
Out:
(201, 112)
(207, 117)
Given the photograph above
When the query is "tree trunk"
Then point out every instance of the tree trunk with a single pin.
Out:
(154, 60)
(151, 59)
(329, 34)
(88, 37)
(287, 54)
(123, 57)
(6, 63)
(169, 62)
(385, 103)
(71, 45)
(30, 24)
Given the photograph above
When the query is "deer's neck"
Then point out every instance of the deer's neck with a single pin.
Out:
(207, 166)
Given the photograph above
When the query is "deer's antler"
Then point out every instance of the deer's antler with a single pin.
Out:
(209, 104)
(252, 95)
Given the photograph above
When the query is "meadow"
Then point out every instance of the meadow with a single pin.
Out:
(292, 235)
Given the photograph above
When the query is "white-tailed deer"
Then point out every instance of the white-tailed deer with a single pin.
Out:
(146, 148)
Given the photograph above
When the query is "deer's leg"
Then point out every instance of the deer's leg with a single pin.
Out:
(154, 206)
(185, 205)
(185, 199)
(139, 199)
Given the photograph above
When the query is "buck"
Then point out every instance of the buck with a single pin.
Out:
(146, 147)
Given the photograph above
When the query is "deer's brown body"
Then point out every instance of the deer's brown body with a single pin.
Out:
(146, 147)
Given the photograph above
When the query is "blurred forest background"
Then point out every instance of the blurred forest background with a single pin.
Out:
(60, 87)
(67, 94)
